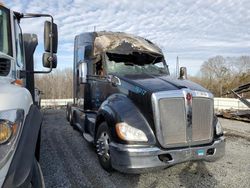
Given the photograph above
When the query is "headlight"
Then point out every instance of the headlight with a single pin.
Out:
(10, 125)
(5, 131)
(219, 129)
(129, 133)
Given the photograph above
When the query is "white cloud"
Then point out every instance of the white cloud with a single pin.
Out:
(194, 30)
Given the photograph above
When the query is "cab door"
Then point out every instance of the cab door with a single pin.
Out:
(100, 85)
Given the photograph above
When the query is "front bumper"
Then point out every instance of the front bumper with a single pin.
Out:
(132, 159)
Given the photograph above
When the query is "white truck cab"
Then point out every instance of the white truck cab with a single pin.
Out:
(20, 118)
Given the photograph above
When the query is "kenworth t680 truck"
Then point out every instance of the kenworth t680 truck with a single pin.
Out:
(137, 116)
(20, 118)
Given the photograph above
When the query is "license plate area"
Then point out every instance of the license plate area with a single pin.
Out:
(200, 152)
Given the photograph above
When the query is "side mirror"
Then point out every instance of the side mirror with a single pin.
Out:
(115, 81)
(47, 60)
(50, 37)
(83, 73)
(50, 45)
(183, 73)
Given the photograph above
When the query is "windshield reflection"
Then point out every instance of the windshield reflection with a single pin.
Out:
(5, 31)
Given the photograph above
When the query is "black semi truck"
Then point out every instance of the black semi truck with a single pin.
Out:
(137, 116)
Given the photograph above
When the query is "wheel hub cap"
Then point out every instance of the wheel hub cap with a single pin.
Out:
(102, 146)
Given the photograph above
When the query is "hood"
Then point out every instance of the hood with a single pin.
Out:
(161, 83)
(14, 97)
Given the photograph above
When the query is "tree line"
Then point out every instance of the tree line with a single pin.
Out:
(221, 74)
(56, 85)
(218, 74)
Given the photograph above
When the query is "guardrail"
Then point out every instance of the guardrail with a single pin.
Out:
(219, 103)
(229, 103)
(55, 102)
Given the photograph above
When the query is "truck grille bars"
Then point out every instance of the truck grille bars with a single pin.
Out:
(4, 67)
(202, 119)
(183, 117)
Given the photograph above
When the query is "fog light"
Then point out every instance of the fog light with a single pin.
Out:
(5, 131)
(165, 157)
(210, 151)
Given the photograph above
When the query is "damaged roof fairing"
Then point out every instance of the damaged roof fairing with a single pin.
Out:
(122, 43)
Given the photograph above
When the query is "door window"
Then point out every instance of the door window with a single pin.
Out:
(19, 45)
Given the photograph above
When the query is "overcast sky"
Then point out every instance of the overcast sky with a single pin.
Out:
(192, 30)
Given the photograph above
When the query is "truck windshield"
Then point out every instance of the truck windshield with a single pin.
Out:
(136, 64)
(5, 34)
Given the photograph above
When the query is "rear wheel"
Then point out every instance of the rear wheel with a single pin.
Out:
(103, 139)
(68, 109)
(71, 120)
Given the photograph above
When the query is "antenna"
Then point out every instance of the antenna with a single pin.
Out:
(94, 28)
(177, 66)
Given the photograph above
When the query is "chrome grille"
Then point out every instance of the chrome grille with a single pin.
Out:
(173, 128)
(4, 67)
(172, 121)
(202, 119)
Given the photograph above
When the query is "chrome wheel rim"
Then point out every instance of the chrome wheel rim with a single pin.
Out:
(102, 146)
(70, 118)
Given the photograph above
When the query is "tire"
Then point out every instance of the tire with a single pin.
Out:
(67, 112)
(71, 121)
(37, 176)
(103, 138)
(38, 144)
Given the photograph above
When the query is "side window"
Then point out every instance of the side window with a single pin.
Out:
(88, 52)
(5, 34)
(81, 66)
(19, 45)
(99, 68)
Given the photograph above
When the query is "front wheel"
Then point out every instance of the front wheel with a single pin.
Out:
(37, 176)
(103, 139)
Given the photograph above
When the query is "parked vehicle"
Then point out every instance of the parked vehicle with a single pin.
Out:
(20, 118)
(137, 116)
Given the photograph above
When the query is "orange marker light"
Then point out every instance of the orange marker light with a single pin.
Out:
(18, 82)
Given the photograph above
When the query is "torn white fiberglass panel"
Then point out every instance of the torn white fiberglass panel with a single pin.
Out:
(122, 43)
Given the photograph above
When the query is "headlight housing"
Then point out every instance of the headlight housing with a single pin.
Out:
(10, 126)
(5, 131)
(129, 133)
(218, 128)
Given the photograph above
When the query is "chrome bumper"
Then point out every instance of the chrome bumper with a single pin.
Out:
(139, 159)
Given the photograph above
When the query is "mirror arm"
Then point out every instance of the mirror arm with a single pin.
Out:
(30, 15)
(23, 72)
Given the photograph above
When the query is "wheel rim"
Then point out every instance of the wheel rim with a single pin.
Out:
(102, 146)
(70, 117)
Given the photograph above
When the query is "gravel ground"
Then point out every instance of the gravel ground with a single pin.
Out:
(236, 128)
(67, 160)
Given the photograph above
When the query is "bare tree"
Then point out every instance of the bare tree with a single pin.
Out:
(57, 85)
(219, 74)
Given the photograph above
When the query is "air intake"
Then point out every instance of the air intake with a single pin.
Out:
(4, 67)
